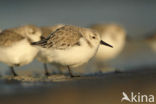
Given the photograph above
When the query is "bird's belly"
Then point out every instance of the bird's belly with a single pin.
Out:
(74, 56)
(22, 53)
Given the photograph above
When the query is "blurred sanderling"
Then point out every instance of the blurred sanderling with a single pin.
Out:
(42, 56)
(70, 46)
(113, 34)
(15, 47)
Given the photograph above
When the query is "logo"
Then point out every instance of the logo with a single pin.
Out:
(137, 97)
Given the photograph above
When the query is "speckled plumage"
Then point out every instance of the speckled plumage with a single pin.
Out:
(8, 38)
(63, 38)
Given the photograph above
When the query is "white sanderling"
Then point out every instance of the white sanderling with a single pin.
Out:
(113, 34)
(15, 47)
(42, 56)
(70, 46)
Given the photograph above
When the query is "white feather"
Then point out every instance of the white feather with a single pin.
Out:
(19, 53)
(74, 56)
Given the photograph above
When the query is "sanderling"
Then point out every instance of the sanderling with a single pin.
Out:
(15, 47)
(113, 34)
(31, 32)
(70, 46)
(42, 56)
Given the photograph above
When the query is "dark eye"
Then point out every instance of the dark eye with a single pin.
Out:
(93, 37)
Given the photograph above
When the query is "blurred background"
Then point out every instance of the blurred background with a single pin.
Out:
(136, 16)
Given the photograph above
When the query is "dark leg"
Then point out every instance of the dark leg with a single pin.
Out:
(46, 69)
(13, 71)
(70, 72)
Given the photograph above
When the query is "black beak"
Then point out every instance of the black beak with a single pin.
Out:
(42, 37)
(106, 44)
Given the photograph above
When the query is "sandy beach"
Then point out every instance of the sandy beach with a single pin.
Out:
(101, 89)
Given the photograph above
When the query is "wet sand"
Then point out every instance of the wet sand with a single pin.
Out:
(97, 89)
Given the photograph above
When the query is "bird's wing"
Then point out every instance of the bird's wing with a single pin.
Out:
(7, 38)
(62, 38)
